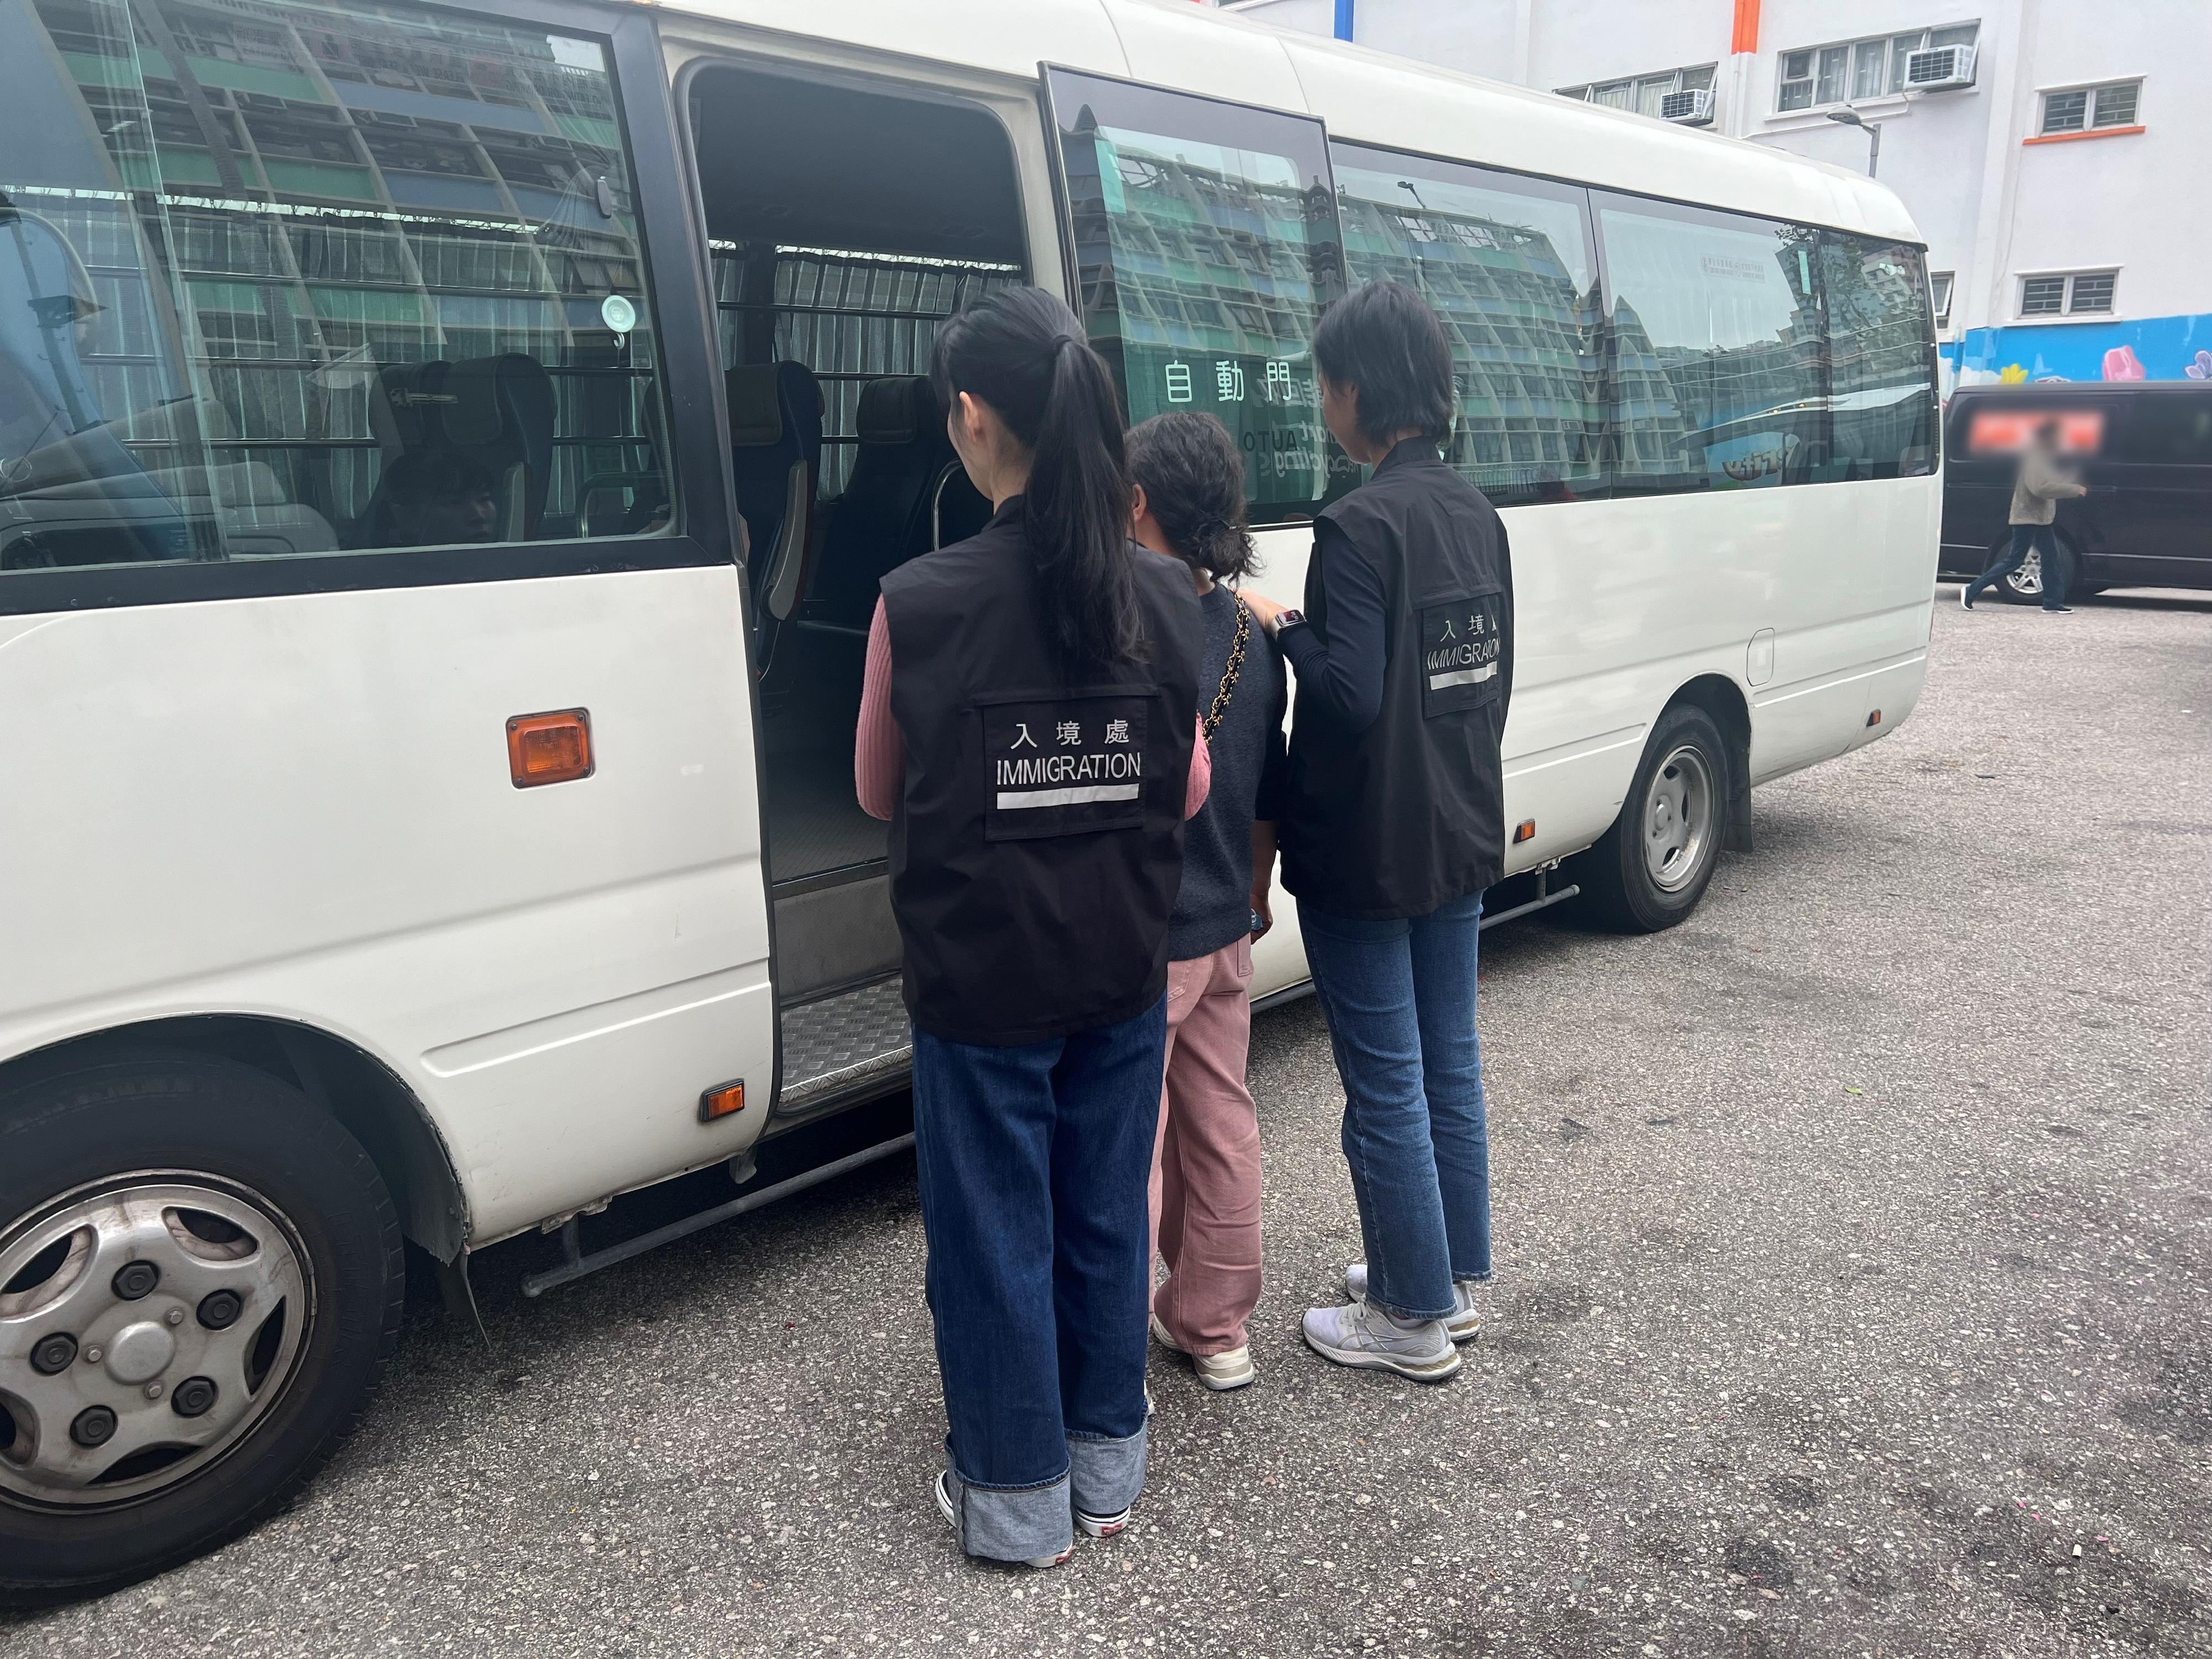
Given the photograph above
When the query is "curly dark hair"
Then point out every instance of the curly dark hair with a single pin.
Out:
(1193, 477)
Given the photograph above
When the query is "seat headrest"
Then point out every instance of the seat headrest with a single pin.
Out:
(896, 409)
(756, 411)
(473, 415)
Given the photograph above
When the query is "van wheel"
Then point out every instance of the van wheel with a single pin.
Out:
(2025, 586)
(1651, 868)
(199, 1277)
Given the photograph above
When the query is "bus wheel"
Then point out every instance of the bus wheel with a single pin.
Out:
(1651, 868)
(199, 1276)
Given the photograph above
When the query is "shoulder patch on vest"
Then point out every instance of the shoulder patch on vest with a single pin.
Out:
(1460, 640)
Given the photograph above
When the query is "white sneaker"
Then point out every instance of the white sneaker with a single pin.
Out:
(1218, 1371)
(1360, 1333)
(1098, 1526)
(1463, 1324)
(946, 1508)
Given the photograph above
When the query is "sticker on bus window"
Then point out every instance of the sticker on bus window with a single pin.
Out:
(1064, 765)
(1461, 648)
(2008, 431)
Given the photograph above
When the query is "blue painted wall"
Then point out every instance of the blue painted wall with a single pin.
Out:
(2148, 348)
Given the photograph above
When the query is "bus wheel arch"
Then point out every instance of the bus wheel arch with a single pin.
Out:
(366, 1097)
(1723, 699)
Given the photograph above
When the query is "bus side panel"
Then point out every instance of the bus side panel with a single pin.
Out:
(301, 806)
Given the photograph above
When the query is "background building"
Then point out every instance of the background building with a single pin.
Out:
(2051, 162)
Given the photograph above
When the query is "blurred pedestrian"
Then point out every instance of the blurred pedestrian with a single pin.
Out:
(2044, 481)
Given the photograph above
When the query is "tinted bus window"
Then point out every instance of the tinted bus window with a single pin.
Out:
(2170, 429)
(1716, 348)
(1507, 263)
(1206, 246)
(1882, 369)
(289, 279)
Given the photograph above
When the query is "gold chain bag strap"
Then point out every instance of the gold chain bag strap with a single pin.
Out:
(1213, 715)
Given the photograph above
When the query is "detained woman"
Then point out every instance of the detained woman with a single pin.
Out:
(1027, 726)
(1393, 825)
(1188, 479)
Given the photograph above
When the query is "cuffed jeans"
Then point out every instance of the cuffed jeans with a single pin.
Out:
(1205, 1167)
(1033, 1163)
(2045, 541)
(1399, 997)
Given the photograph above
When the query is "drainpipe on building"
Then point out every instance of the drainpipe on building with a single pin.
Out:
(1344, 19)
(1743, 49)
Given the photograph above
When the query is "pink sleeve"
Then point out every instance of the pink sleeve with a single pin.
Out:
(1202, 774)
(879, 750)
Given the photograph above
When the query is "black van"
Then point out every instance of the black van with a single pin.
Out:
(2145, 451)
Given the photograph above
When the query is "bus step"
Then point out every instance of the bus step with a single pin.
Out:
(1546, 897)
(576, 1261)
(842, 1047)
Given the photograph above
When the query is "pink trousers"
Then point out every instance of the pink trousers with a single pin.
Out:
(1206, 1161)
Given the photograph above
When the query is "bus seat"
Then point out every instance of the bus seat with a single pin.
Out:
(776, 444)
(496, 412)
(883, 517)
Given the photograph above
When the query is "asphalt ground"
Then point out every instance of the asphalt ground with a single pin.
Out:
(1854, 1248)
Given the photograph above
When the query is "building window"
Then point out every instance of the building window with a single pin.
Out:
(2084, 109)
(1642, 93)
(2078, 293)
(1857, 70)
(1939, 285)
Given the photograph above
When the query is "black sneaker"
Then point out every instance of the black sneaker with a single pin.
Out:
(2058, 610)
(1966, 598)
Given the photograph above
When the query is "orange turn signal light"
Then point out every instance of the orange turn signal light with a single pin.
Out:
(1875, 719)
(554, 748)
(1525, 830)
(721, 1103)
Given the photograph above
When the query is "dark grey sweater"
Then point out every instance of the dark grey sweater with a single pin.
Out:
(1214, 908)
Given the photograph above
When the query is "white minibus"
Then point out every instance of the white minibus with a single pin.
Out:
(447, 455)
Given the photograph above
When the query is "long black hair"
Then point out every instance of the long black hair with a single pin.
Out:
(1193, 476)
(1022, 351)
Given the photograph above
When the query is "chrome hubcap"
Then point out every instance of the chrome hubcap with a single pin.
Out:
(146, 1324)
(1678, 818)
(2028, 579)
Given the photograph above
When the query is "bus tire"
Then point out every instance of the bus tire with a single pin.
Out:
(1649, 870)
(200, 1278)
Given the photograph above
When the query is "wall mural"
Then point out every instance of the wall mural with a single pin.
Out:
(2150, 349)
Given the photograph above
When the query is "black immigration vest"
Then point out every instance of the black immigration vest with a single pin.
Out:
(1037, 844)
(1409, 814)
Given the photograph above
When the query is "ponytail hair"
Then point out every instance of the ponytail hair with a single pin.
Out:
(1023, 352)
(1193, 476)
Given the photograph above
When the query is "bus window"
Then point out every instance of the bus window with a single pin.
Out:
(1881, 370)
(1716, 348)
(1507, 263)
(298, 278)
(1205, 247)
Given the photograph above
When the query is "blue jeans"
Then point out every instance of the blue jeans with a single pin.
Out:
(1399, 997)
(1033, 1164)
(2043, 540)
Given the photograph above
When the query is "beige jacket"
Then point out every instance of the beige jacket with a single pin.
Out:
(2042, 482)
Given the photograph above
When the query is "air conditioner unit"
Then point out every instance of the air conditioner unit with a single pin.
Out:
(1689, 109)
(1939, 69)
